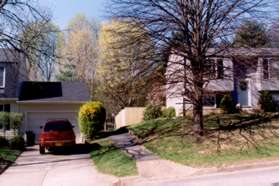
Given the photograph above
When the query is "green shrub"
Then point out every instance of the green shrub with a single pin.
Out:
(3, 142)
(17, 143)
(169, 112)
(227, 104)
(10, 120)
(15, 120)
(152, 112)
(4, 120)
(92, 117)
(266, 102)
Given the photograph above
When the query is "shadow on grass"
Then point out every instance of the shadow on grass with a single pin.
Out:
(248, 130)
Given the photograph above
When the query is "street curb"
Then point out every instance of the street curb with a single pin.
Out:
(128, 181)
(232, 168)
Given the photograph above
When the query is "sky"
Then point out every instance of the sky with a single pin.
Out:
(64, 10)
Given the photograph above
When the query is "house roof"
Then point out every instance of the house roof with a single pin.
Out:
(10, 55)
(265, 52)
(53, 92)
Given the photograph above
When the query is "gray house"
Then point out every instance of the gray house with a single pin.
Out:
(38, 101)
(241, 72)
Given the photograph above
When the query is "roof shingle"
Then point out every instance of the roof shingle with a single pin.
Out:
(53, 92)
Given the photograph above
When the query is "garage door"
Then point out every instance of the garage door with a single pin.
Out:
(37, 119)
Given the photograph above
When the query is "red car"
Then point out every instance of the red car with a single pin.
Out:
(56, 133)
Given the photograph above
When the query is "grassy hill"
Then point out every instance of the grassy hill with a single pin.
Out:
(228, 139)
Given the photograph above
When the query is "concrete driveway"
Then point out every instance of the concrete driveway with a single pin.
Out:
(71, 169)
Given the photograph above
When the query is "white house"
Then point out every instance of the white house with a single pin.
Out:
(241, 72)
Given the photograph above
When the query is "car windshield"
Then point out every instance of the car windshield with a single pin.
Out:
(58, 126)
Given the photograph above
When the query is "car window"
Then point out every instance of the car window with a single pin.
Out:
(58, 126)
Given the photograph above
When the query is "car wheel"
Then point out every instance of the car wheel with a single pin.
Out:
(42, 150)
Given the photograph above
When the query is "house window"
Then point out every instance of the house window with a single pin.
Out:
(209, 101)
(5, 107)
(2, 77)
(266, 68)
(214, 68)
(210, 69)
(220, 69)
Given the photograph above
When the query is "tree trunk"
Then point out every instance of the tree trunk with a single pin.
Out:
(198, 119)
(198, 107)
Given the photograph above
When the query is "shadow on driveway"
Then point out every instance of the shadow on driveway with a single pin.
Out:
(75, 150)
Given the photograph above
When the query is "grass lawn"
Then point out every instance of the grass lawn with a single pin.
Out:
(228, 139)
(8, 154)
(111, 160)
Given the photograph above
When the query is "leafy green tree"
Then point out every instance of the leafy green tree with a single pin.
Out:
(80, 51)
(121, 81)
(251, 34)
(67, 73)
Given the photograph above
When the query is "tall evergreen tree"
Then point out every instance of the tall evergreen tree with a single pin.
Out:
(251, 34)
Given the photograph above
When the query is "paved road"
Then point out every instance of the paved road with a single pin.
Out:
(74, 169)
(253, 177)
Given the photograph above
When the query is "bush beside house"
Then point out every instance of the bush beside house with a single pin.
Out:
(227, 104)
(15, 120)
(266, 102)
(10, 121)
(92, 117)
(17, 143)
(155, 111)
(3, 142)
(169, 112)
(152, 112)
(4, 121)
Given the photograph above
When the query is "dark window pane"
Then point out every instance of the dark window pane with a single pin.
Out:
(220, 69)
(2, 108)
(7, 108)
(265, 69)
(209, 100)
(2, 71)
(218, 100)
(58, 126)
(209, 69)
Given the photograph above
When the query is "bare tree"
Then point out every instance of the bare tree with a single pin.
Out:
(40, 44)
(190, 28)
(15, 17)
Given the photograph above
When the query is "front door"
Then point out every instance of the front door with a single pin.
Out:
(243, 93)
